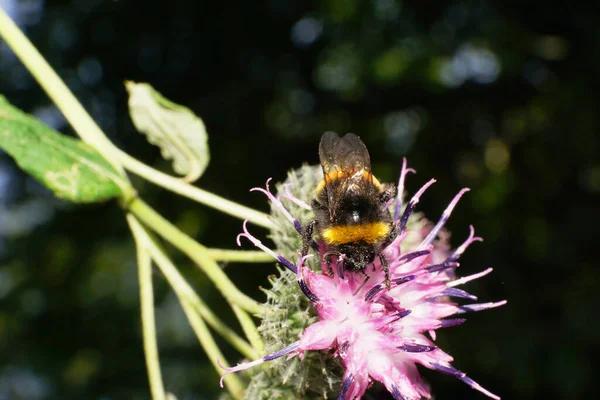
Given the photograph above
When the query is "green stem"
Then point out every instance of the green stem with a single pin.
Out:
(250, 330)
(201, 196)
(186, 295)
(222, 329)
(56, 89)
(185, 291)
(243, 256)
(234, 386)
(147, 309)
(195, 251)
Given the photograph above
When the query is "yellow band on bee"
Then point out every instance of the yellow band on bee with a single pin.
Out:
(370, 233)
(335, 175)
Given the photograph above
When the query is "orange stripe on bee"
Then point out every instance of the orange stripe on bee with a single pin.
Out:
(335, 175)
(370, 233)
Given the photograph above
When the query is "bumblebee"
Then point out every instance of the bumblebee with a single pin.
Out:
(351, 207)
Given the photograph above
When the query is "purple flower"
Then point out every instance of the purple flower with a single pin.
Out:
(378, 334)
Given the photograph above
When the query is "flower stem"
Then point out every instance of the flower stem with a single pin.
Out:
(249, 329)
(212, 350)
(181, 286)
(56, 89)
(242, 256)
(249, 351)
(147, 310)
(186, 292)
(186, 296)
(201, 196)
(197, 252)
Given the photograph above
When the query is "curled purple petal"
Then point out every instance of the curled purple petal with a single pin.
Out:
(340, 269)
(293, 198)
(282, 352)
(240, 367)
(298, 226)
(481, 306)
(404, 279)
(412, 203)
(478, 387)
(400, 193)
(307, 292)
(344, 347)
(399, 315)
(373, 292)
(442, 266)
(448, 370)
(408, 257)
(450, 322)
(416, 348)
(277, 203)
(302, 282)
(454, 292)
(396, 393)
(469, 278)
(285, 262)
(346, 387)
(445, 215)
(461, 249)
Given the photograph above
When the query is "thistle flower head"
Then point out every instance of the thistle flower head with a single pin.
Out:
(376, 334)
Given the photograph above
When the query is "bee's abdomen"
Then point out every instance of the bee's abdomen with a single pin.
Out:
(371, 233)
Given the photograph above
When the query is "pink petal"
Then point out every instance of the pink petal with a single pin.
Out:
(319, 336)
(354, 386)
(393, 375)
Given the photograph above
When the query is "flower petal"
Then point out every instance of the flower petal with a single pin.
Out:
(319, 336)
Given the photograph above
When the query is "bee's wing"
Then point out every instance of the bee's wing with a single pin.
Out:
(344, 161)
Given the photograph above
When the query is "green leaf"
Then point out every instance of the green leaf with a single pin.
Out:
(70, 168)
(178, 132)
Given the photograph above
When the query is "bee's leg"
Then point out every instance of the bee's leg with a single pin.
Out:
(327, 257)
(389, 192)
(316, 206)
(386, 269)
(307, 236)
(393, 234)
(362, 284)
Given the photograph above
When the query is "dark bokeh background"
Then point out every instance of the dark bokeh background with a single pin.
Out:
(500, 96)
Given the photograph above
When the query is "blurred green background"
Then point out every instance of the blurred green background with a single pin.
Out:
(499, 96)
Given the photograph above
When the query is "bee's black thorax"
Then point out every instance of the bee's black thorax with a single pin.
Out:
(354, 207)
